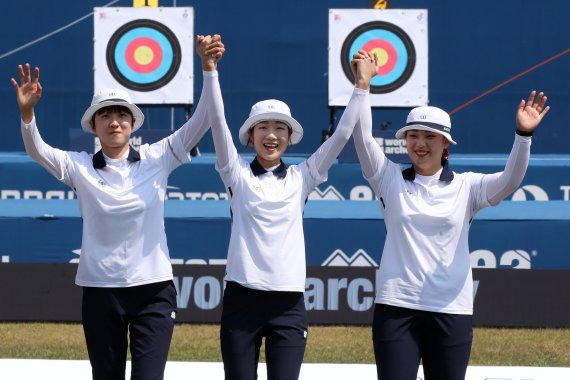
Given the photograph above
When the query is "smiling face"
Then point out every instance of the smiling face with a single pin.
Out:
(270, 140)
(113, 125)
(425, 149)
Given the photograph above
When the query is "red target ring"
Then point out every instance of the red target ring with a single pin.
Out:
(386, 53)
(143, 55)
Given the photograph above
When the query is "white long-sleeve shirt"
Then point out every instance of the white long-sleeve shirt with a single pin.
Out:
(121, 202)
(425, 263)
(267, 246)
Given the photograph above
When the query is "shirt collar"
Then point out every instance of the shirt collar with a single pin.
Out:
(99, 160)
(257, 169)
(446, 175)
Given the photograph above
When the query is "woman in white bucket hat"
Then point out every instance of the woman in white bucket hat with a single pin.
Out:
(265, 272)
(424, 289)
(129, 299)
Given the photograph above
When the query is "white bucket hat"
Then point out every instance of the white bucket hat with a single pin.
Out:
(266, 110)
(427, 118)
(111, 97)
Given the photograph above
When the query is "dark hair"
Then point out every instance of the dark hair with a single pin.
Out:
(445, 156)
(111, 109)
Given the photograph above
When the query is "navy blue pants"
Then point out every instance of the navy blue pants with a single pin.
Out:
(250, 315)
(402, 337)
(111, 316)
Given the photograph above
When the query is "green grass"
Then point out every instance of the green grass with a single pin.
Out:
(326, 344)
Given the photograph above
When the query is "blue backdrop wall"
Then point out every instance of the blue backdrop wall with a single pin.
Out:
(279, 49)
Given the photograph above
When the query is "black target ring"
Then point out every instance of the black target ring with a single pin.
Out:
(381, 32)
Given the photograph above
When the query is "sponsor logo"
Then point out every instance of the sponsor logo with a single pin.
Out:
(358, 259)
(392, 146)
(329, 194)
(76, 259)
(331, 294)
(175, 193)
(327, 293)
(205, 292)
(565, 192)
(362, 193)
(36, 194)
(529, 193)
(514, 259)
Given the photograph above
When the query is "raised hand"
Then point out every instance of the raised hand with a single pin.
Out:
(28, 92)
(531, 112)
(210, 49)
(364, 67)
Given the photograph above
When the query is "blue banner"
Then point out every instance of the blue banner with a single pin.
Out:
(520, 235)
(547, 178)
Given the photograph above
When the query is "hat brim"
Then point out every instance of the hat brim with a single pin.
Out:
(138, 115)
(401, 133)
(296, 129)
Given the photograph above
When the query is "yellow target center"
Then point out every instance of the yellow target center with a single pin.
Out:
(381, 54)
(143, 55)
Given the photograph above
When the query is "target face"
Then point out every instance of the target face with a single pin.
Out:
(392, 46)
(398, 38)
(147, 51)
(143, 55)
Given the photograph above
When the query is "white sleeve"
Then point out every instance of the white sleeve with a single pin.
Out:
(327, 153)
(502, 184)
(54, 160)
(226, 151)
(193, 130)
(370, 155)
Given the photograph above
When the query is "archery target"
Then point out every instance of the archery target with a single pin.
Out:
(143, 55)
(394, 48)
(399, 40)
(144, 50)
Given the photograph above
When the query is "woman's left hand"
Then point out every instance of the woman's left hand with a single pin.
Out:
(531, 112)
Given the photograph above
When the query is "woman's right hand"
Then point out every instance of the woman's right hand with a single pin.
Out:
(210, 49)
(28, 91)
(364, 67)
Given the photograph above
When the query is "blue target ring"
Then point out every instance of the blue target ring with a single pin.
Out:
(143, 55)
(395, 45)
(125, 68)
